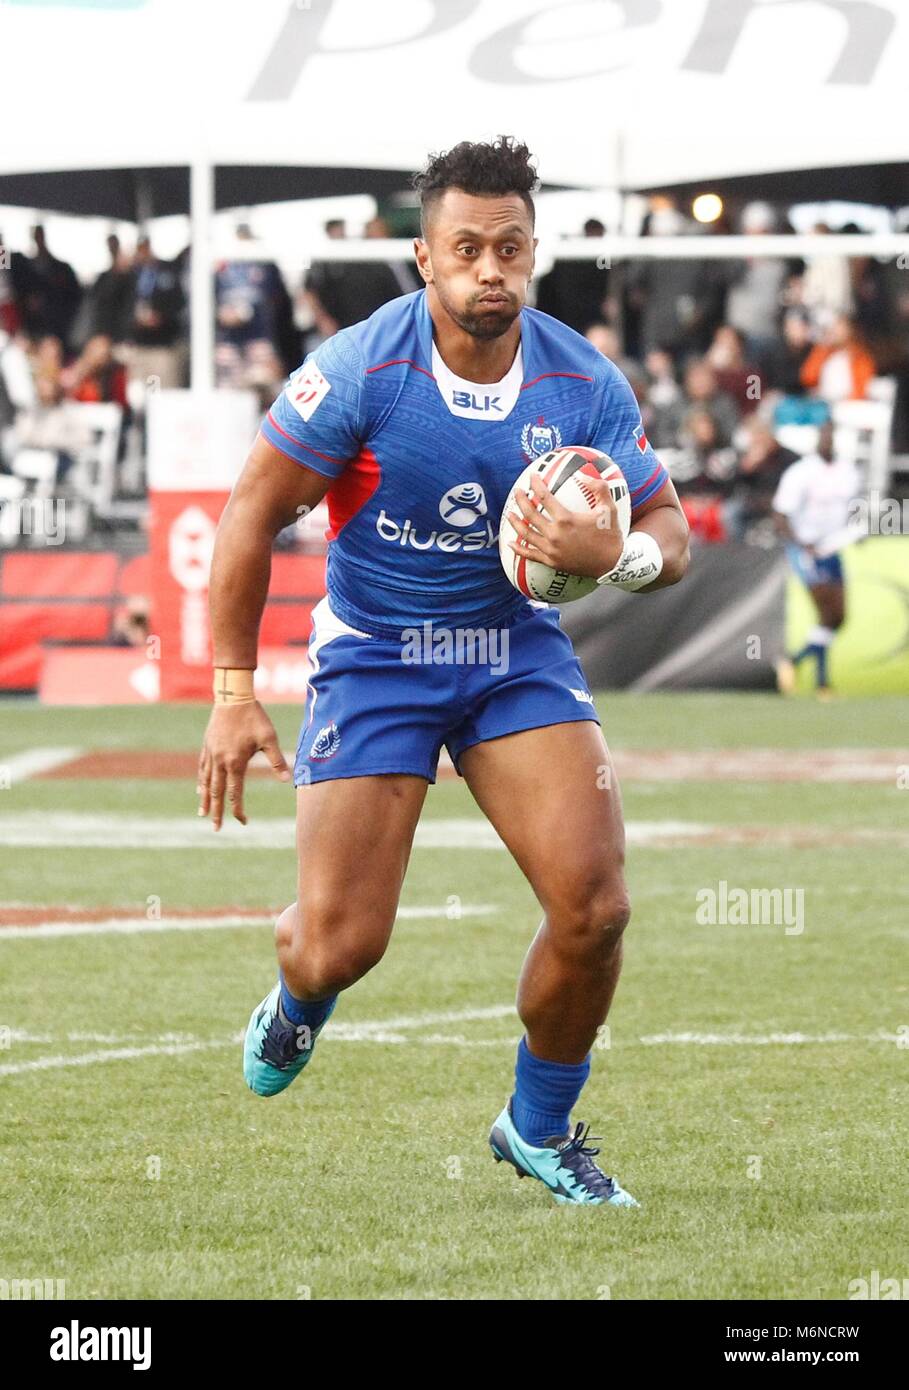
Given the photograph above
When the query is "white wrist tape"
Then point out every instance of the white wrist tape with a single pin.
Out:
(640, 563)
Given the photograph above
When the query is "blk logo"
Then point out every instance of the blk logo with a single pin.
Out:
(467, 400)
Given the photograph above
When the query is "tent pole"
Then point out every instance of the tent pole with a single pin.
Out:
(145, 203)
(201, 297)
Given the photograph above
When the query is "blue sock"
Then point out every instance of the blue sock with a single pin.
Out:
(544, 1094)
(800, 655)
(820, 657)
(311, 1012)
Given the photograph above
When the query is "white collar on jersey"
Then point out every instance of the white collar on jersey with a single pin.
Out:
(471, 400)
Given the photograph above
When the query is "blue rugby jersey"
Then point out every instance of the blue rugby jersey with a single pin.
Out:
(417, 491)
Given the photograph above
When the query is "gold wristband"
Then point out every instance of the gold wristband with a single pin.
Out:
(233, 687)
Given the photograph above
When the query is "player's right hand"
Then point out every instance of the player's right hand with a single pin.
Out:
(234, 734)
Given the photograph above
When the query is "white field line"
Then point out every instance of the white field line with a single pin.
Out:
(392, 1030)
(131, 926)
(74, 830)
(116, 1054)
(395, 1031)
(70, 829)
(20, 766)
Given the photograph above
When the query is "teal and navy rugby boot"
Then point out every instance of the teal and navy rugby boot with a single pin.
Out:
(276, 1050)
(565, 1164)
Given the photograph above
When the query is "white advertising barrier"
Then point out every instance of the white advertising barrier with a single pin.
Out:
(197, 444)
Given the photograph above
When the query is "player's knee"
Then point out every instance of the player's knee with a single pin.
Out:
(592, 923)
(341, 963)
(324, 947)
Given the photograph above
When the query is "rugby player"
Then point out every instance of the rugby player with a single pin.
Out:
(415, 424)
(812, 507)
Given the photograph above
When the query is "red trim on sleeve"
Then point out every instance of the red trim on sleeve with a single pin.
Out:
(400, 362)
(576, 375)
(644, 486)
(339, 463)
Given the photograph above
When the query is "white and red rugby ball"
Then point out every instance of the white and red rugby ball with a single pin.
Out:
(567, 473)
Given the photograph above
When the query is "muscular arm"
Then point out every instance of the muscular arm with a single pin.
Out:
(783, 527)
(662, 517)
(271, 492)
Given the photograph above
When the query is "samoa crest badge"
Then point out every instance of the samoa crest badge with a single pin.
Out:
(538, 438)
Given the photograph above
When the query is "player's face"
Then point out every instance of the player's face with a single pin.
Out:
(478, 256)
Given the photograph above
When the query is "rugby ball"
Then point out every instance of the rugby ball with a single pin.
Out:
(567, 473)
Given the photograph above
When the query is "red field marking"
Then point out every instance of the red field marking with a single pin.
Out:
(634, 765)
(18, 915)
(135, 763)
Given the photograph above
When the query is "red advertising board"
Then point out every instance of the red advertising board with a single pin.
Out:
(197, 443)
(182, 538)
(126, 676)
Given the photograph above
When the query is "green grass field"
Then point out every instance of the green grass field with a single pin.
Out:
(753, 1096)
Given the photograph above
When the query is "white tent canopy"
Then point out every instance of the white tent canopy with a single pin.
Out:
(608, 94)
(629, 93)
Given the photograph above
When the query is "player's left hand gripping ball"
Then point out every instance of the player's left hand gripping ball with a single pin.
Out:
(564, 524)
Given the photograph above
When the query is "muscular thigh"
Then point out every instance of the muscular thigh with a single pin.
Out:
(354, 836)
(553, 796)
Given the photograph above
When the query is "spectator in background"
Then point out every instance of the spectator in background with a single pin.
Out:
(254, 319)
(14, 278)
(340, 293)
(784, 367)
(606, 340)
(840, 367)
(576, 292)
(755, 301)
(703, 395)
(52, 294)
(17, 392)
(47, 358)
(870, 290)
(112, 295)
(749, 506)
(153, 332)
(131, 622)
(663, 387)
(52, 423)
(826, 286)
(95, 376)
(404, 273)
(667, 298)
(734, 375)
(335, 229)
(702, 473)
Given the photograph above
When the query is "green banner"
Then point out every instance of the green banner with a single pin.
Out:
(871, 653)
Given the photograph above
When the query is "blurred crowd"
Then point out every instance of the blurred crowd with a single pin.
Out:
(63, 344)
(720, 353)
(725, 356)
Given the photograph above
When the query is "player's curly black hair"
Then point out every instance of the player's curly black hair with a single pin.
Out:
(482, 168)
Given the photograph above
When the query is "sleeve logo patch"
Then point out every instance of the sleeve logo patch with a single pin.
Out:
(641, 438)
(307, 389)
